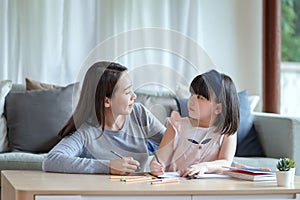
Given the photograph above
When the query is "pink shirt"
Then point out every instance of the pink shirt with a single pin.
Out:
(186, 151)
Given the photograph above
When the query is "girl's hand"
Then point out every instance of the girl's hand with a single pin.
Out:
(123, 166)
(156, 168)
(194, 169)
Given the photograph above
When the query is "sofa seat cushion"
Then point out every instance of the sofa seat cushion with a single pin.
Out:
(21, 161)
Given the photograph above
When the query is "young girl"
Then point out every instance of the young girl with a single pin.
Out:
(107, 132)
(205, 141)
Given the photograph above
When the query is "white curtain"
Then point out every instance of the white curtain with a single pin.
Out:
(54, 41)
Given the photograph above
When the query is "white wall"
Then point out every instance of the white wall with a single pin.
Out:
(233, 39)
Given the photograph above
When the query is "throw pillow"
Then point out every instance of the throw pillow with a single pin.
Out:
(5, 87)
(182, 106)
(35, 117)
(246, 120)
(36, 85)
(248, 143)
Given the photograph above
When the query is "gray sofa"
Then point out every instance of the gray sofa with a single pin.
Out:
(278, 136)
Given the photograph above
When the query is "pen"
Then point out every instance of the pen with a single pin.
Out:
(118, 155)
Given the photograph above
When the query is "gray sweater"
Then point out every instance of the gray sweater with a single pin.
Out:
(86, 151)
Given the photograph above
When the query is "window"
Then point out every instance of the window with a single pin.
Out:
(290, 57)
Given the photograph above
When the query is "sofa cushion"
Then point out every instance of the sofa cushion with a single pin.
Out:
(35, 117)
(160, 106)
(36, 85)
(5, 87)
(248, 143)
(246, 119)
(21, 161)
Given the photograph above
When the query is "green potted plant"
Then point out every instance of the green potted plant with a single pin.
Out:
(293, 169)
(292, 163)
(284, 164)
(286, 171)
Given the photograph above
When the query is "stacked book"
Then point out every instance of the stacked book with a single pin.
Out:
(251, 174)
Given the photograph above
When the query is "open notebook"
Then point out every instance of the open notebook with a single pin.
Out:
(200, 176)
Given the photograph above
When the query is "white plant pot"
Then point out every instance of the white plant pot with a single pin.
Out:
(284, 178)
(293, 170)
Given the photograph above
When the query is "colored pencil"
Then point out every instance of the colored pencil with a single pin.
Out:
(165, 181)
(120, 177)
(136, 179)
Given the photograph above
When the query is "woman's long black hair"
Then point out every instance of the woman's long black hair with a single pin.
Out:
(99, 82)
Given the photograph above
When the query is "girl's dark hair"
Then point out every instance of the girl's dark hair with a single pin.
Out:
(227, 122)
(99, 82)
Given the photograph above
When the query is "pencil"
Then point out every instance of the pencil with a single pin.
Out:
(118, 155)
(156, 157)
(165, 181)
(136, 179)
(122, 177)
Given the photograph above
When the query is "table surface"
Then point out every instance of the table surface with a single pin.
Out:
(38, 182)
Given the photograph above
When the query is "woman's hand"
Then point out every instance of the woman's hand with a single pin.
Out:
(200, 168)
(156, 168)
(123, 166)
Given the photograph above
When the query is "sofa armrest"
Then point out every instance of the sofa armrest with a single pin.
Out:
(278, 135)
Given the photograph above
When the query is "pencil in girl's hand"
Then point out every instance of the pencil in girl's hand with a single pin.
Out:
(154, 153)
(156, 157)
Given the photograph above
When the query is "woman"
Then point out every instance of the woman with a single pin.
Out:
(106, 119)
